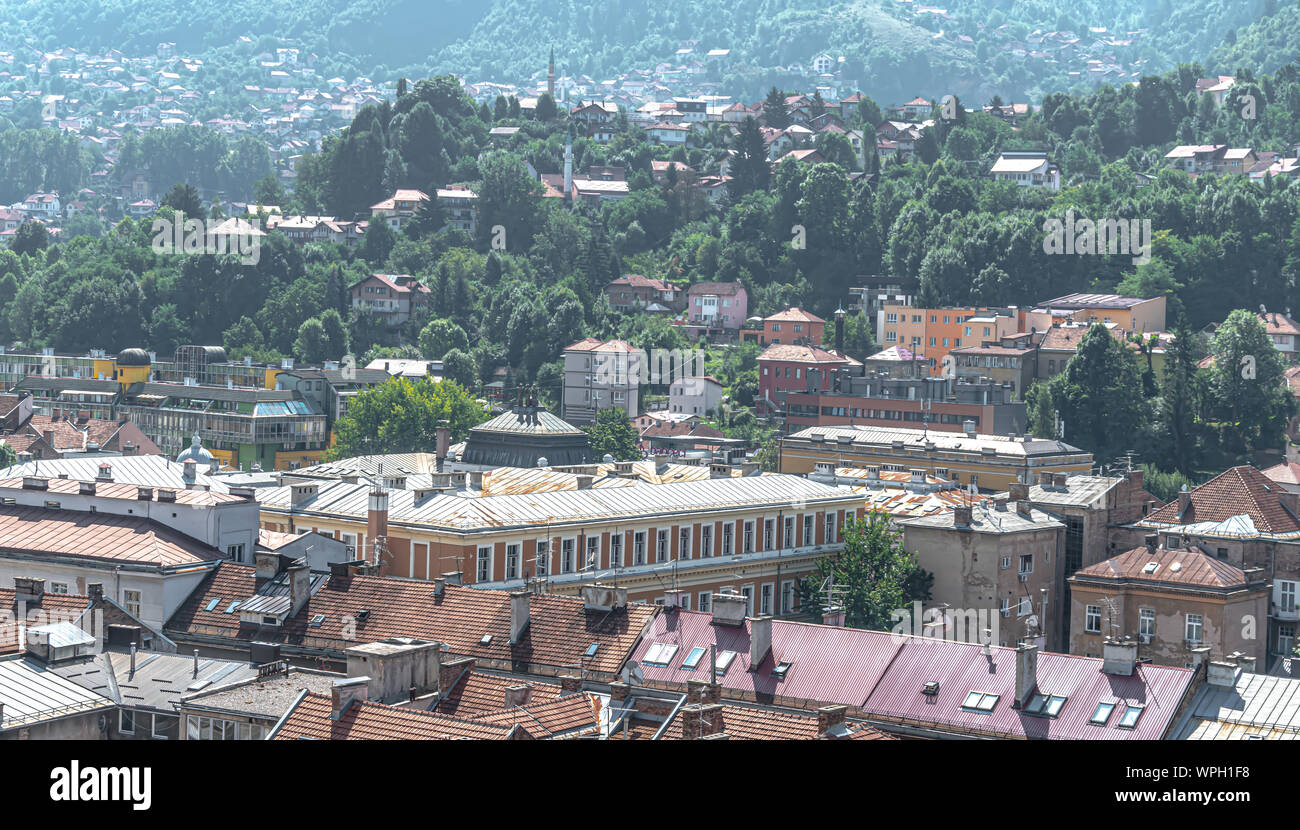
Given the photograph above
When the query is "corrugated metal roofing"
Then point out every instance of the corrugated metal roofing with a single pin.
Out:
(72, 533)
(1256, 704)
(160, 680)
(942, 441)
(144, 470)
(32, 694)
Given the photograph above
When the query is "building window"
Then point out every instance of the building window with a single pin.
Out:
(593, 553)
(706, 601)
(616, 550)
(1195, 628)
(787, 540)
(484, 563)
(706, 540)
(58, 587)
(1286, 640)
(512, 561)
(684, 543)
(638, 548)
(830, 528)
(769, 530)
(1092, 619)
(543, 558)
(728, 529)
(661, 552)
(1147, 622)
(747, 542)
(131, 600)
(1024, 607)
(566, 555)
(787, 597)
(1026, 563)
(235, 552)
(1006, 562)
(1286, 595)
(126, 722)
(165, 727)
(808, 530)
(747, 591)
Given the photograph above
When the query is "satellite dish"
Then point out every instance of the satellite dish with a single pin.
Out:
(1032, 622)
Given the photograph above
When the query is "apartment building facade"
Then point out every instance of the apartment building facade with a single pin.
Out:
(600, 374)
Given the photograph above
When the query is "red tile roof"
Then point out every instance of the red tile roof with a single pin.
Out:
(800, 354)
(1288, 472)
(748, 723)
(1236, 491)
(477, 693)
(370, 721)
(796, 314)
(559, 630)
(573, 713)
(1275, 323)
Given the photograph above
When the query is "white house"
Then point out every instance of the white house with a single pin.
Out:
(694, 396)
(1027, 168)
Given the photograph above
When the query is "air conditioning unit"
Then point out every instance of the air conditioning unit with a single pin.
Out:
(1144, 639)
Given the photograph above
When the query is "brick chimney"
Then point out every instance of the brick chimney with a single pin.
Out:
(449, 671)
(29, 589)
(618, 691)
(1018, 491)
(701, 721)
(961, 516)
(570, 683)
(702, 691)
(299, 585)
(828, 717)
(442, 441)
(1119, 657)
(1184, 502)
(346, 692)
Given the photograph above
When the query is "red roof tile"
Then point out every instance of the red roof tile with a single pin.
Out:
(370, 721)
(572, 714)
(477, 693)
(1195, 569)
(1236, 491)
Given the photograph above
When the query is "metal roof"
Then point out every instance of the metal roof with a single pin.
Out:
(526, 420)
(1004, 445)
(31, 694)
(160, 680)
(144, 470)
(1256, 704)
(454, 512)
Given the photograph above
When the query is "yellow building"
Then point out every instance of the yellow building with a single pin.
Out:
(991, 462)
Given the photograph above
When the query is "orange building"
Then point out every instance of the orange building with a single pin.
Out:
(931, 333)
(792, 326)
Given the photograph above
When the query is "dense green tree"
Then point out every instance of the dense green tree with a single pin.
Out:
(1099, 396)
(613, 434)
(441, 336)
(402, 415)
(1247, 391)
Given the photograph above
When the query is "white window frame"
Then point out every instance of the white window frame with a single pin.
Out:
(569, 565)
(58, 587)
(133, 606)
(542, 557)
(706, 601)
(616, 550)
(123, 715)
(1147, 622)
(638, 547)
(766, 595)
(1091, 612)
(1026, 570)
(830, 527)
(788, 595)
(747, 537)
(591, 560)
(747, 591)
(478, 563)
(788, 540)
(514, 559)
(661, 545)
(728, 537)
(153, 727)
(809, 530)
(684, 541)
(706, 540)
(769, 533)
(1194, 622)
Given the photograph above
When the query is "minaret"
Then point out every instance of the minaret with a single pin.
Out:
(568, 164)
(550, 75)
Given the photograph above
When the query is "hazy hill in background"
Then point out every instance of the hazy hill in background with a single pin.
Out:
(894, 50)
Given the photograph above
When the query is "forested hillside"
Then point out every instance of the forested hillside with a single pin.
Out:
(975, 48)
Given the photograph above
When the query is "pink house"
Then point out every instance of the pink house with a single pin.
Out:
(717, 305)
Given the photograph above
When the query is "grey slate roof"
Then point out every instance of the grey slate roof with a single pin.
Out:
(528, 420)
(1256, 705)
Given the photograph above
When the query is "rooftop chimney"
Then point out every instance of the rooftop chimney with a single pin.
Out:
(518, 615)
(961, 516)
(673, 599)
(618, 691)
(1119, 657)
(189, 469)
(1018, 491)
(1026, 673)
(584, 482)
(476, 479)
(299, 585)
(1184, 502)
(442, 441)
(454, 578)
(346, 692)
(439, 586)
(1024, 508)
(729, 609)
(834, 615)
(105, 472)
(1247, 664)
(1221, 673)
(1151, 540)
(829, 717)
(377, 516)
(517, 695)
(760, 640)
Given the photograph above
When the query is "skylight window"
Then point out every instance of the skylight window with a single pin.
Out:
(693, 658)
(485, 640)
(781, 670)
(213, 603)
(230, 609)
(1132, 712)
(660, 654)
(724, 661)
(980, 701)
(591, 650)
(1102, 713)
(1045, 705)
(317, 620)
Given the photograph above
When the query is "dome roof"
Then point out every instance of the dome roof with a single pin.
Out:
(196, 453)
(133, 357)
